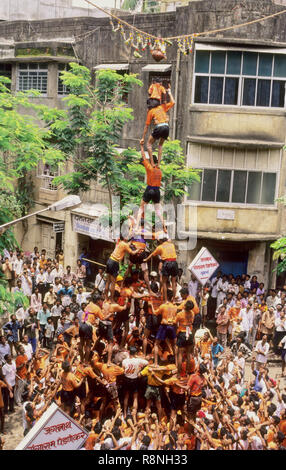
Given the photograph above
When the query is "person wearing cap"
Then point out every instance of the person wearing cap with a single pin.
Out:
(112, 265)
(167, 251)
(132, 367)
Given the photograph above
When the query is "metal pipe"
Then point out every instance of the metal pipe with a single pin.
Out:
(175, 116)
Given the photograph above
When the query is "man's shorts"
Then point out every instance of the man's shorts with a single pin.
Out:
(177, 400)
(112, 267)
(182, 341)
(138, 258)
(170, 268)
(105, 331)
(131, 385)
(122, 317)
(153, 392)
(68, 397)
(194, 404)
(151, 322)
(81, 391)
(161, 132)
(152, 193)
(166, 331)
(112, 390)
(85, 331)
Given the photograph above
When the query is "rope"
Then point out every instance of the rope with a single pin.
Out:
(169, 38)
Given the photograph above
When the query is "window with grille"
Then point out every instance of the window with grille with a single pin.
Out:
(240, 78)
(62, 88)
(234, 175)
(234, 186)
(33, 76)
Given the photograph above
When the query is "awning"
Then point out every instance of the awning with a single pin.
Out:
(87, 219)
(157, 68)
(230, 142)
(112, 67)
(227, 236)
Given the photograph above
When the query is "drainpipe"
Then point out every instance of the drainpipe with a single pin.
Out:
(175, 115)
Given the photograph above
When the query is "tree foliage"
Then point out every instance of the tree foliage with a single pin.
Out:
(24, 142)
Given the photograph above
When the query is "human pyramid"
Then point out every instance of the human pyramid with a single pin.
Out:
(129, 361)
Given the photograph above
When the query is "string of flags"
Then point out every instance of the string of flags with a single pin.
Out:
(158, 47)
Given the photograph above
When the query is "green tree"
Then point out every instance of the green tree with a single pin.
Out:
(279, 247)
(92, 128)
(24, 142)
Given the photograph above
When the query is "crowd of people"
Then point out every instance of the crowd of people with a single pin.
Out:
(146, 360)
(131, 358)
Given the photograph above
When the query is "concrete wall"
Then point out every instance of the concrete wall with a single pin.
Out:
(13, 10)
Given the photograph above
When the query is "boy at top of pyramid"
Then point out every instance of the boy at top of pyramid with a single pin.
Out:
(158, 115)
(157, 92)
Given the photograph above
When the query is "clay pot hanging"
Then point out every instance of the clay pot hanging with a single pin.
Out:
(158, 55)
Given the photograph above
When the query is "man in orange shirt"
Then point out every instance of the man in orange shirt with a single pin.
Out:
(185, 341)
(112, 265)
(87, 326)
(158, 114)
(69, 383)
(152, 192)
(22, 372)
(167, 330)
(167, 251)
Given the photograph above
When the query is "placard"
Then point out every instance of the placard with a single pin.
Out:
(55, 430)
(203, 266)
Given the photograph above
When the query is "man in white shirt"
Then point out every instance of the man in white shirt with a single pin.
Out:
(99, 281)
(28, 347)
(57, 271)
(132, 367)
(193, 286)
(246, 317)
(9, 374)
(272, 300)
(17, 265)
(261, 349)
(4, 349)
(222, 289)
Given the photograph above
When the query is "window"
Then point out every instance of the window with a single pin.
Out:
(47, 173)
(62, 88)
(240, 78)
(234, 186)
(6, 71)
(33, 76)
(234, 175)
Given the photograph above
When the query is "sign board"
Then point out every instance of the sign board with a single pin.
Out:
(59, 227)
(225, 214)
(91, 227)
(203, 266)
(55, 430)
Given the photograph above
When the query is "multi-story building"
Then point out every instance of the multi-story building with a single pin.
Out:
(229, 116)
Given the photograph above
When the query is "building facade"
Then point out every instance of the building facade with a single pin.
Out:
(229, 117)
